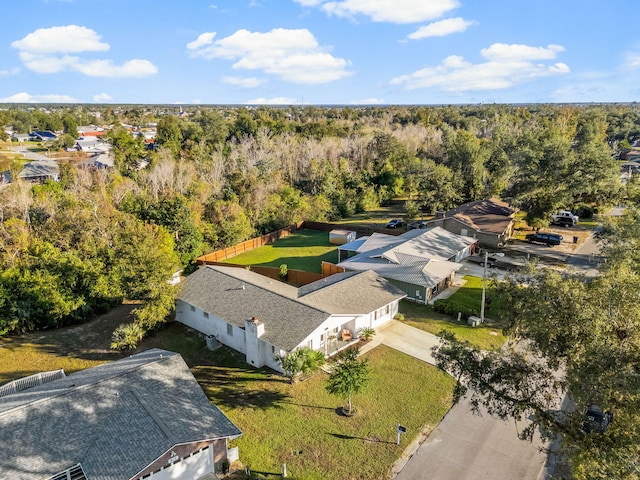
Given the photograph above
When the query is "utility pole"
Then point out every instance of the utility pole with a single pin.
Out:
(484, 285)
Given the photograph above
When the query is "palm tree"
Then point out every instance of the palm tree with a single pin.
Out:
(300, 362)
(350, 377)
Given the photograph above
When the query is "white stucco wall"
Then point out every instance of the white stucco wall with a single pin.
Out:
(196, 319)
(190, 468)
(262, 352)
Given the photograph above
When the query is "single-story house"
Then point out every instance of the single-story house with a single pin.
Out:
(42, 136)
(92, 145)
(420, 262)
(490, 221)
(98, 161)
(261, 317)
(21, 137)
(144, 416)
(39, 171)
(91, 131)
(340, 237)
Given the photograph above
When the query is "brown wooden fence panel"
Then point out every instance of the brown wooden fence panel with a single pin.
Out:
(330, 269)
(300, 277)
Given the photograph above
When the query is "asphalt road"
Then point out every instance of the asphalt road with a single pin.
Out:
(465, 446)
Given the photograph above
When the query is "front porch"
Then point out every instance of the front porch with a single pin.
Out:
(331, 347)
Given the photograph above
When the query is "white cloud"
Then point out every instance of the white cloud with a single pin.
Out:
(442, 28)
(24, 97)
(66, 39)
(368, 101)
(11, 71)
(271, 101)
(106, 68)
(102, 98)
(394, 11)
(293, 55)
(203, 40)
(309, 3)
(507, 65)
(632, 61)
(244, 82)
(502, 51)
(47, 50)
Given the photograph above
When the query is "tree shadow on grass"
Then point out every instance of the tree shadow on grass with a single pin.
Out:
(310, 406)
(351, 437)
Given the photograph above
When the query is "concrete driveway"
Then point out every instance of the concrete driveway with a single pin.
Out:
(406, 339)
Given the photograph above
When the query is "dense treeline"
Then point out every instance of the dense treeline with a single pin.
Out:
(222, 175)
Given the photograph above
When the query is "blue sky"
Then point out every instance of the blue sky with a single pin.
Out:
(319, 51)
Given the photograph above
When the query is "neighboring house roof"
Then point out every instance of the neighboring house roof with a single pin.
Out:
(39, 169)
(92, 144)
(114, 419)
(100, 160)
(289, 314)
(43, 135)
(419, 257)
(353, 246)
(491, 215)
(21, 137)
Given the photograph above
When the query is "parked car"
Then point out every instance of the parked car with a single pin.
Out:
(564, 218)
(417, 224)
(395, 223)
(497, 260)
(596, 420)
(563, 222)
(548, 239)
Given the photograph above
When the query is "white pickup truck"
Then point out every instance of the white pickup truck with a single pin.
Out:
(564, 218)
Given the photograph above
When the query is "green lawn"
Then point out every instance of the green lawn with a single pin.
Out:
(299, 424)
(488, 336)
(303, 250)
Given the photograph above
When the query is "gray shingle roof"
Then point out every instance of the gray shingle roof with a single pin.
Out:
(289, 314)
(114, 419)
(236, 295)
(357, 293)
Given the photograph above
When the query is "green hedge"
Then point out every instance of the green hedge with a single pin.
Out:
(451, 307)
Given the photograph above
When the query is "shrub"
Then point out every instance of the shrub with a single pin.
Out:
(450, 307)
(127, 336)
(284, 272)
(367, 333)
(399, 317)
(584, 211)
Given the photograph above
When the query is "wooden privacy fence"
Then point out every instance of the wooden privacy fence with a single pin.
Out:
(361, 230)
(297, 277)
(330, 269)
(220, 255)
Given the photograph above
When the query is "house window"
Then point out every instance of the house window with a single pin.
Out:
(205, 314)
(375, 315)
(310, 344)
(273, 349)
(229, 329)
(193, 309)
(387, 309)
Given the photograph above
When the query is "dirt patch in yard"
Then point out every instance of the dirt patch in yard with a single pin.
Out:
(88, 341)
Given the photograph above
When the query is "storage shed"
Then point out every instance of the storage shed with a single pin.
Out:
(340, 237)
